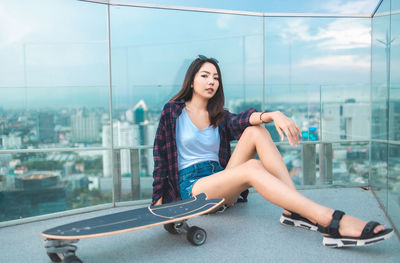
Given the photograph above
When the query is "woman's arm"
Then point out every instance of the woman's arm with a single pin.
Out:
(283, 124)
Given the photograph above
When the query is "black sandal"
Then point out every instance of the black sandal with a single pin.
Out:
(368, 237)
(297, 220)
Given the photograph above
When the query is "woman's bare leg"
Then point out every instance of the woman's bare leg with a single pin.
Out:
(256, 139)
(231, 182)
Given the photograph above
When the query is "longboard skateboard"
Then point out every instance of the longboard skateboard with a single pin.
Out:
(59, 240)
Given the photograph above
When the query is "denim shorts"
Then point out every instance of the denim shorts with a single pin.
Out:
(190, 175)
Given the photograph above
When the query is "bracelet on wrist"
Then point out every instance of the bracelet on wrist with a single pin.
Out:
(261, 116)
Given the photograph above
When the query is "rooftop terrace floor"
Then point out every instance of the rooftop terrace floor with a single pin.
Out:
(248, 232)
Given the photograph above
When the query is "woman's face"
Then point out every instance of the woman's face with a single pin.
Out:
(206, 81)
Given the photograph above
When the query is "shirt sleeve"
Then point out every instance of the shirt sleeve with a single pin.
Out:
(236, 123)
(160, 160)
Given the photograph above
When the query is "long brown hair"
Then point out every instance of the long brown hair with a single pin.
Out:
(215, 106)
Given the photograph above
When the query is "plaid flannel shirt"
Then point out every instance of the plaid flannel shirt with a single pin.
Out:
(165, 153)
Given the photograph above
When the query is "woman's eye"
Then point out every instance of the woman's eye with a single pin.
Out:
(216, 78)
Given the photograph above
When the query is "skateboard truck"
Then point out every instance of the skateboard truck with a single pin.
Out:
(62, 250)
(195, 235)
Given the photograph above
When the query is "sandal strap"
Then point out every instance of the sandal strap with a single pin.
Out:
(333, 228)
(368, 230)
(297, 216)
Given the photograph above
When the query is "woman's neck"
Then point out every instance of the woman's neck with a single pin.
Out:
(197, 104)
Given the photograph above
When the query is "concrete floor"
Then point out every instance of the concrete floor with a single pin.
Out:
(248, 232)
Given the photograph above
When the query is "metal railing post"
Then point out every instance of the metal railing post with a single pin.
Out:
(325, 163)
(117, 175)
(308, 161)
(135, 174)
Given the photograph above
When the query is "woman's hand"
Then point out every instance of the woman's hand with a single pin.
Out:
(285, 126)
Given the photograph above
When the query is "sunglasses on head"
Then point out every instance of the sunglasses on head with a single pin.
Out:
(202, 57)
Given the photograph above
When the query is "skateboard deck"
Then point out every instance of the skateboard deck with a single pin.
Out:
(173, 216)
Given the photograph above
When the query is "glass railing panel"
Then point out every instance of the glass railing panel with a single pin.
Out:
(393, 197)
(292, 157)
(394, 118)
(379, 171)
(380, 83)
(351, 164)
(345, 112)
(394, 103)
(327, 164)
(304, 54)
(39, 183)
(53, 70)
(150, 61)
(380, 74)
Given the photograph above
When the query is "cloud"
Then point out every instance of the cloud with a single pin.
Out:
(339, 34)
(12, 29)
(223, 21)
(338, 61)
(350, 7)
(345, 34)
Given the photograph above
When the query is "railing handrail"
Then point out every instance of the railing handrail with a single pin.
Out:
(225, 11)
(147, 147)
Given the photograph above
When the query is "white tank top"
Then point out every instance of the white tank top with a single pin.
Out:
(195, 145)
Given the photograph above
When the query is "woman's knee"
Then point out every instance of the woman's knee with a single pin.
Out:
(255, 170)
(253, 165)
(256, 131)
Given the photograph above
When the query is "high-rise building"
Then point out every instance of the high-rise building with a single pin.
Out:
(85, 127)
(330, 121)
(357, 121)
(45, 127)
(151, 133)
(137, 114)
(350, 121)
(125, 135)
(128, 135)
(133, 132)
(106, 142)
(12, 141)
(394, 121)
(36, 193)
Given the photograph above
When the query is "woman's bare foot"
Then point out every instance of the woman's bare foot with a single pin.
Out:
(352, 227)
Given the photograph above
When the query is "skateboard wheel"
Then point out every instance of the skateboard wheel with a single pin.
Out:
(54, 257)
(72, 259)
(196, 235)
(171, 228)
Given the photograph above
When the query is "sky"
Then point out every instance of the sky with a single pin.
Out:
(57, 49)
